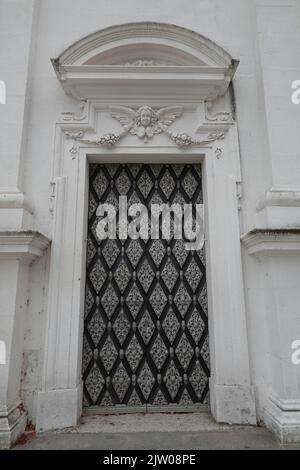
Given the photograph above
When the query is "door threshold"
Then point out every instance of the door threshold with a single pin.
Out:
(123, 409)
(136, 422)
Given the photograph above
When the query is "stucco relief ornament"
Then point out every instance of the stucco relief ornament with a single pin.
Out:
(81, 115)
(77, 135)
(218, 117)
(146, 122)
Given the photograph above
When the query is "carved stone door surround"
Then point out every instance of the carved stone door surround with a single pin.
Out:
(147, 93)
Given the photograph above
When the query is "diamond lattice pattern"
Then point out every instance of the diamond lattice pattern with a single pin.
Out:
(145, 335)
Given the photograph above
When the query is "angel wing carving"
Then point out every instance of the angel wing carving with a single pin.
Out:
(124, 115)
(145, 122)
(168, 115)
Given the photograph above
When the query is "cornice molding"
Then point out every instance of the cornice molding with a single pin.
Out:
(262, 242)
(22, 244)
(282, 197)
(14, 199)
(97, 65)
(122, 81)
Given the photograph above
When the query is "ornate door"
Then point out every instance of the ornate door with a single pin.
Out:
(145, 328)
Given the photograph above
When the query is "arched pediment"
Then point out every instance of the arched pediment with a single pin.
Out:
(157, 42)
(144, 53)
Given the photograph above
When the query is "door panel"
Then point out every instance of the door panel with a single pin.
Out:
(145, 328)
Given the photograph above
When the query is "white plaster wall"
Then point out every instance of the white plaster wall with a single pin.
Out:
(283, 299)
(263, 35)
(17, 25)
(279, 38)
(34, 334)
(12, 328)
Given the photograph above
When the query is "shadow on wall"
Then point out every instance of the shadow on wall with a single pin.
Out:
(2, 353)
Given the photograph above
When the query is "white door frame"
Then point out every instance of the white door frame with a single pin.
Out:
(200, 73)
(231, 393)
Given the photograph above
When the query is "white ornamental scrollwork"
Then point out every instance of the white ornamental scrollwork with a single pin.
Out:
(145, 122)
(81, 115)
(76, 136)
(219, 117)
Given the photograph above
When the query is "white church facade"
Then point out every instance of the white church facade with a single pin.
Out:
(159, 102)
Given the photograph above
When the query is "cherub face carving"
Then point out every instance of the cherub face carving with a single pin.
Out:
(145, 122)
(145, 116)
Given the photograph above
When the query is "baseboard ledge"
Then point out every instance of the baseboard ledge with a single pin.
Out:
(12, 425)
(284, 424)
(233, 404)
(58, 409)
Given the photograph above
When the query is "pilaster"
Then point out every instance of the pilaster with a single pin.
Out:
(17, 250)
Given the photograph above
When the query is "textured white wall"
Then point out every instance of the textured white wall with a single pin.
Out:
(263, 35)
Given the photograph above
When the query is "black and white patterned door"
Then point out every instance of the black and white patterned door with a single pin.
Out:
(145, 329)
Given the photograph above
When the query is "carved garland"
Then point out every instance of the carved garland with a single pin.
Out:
(145, 123)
